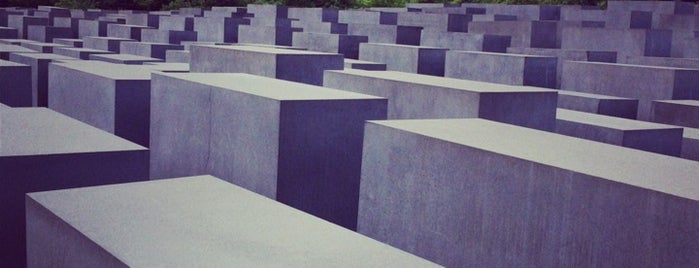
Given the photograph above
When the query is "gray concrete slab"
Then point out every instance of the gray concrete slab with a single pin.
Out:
(182, 56)
(94, 27)
(369, 17)
(176, 23)
(645, 83)
(293, 142)
(79, 52)
(229, 226)
(465, 41)
(690, 144)
(7, 32)
(71, 42)
(22, 22)
(347, 45)
(123, 59)
(413, 96)
(167, 36)
(627, 43)
(39, 63)
(676, 112)
(44, 150)
(391, 34)
(112, 44)
(6, 50)
(218, 29)
(267, 35)
(153, 50)
(286, 64)
(503, 195)
(439, 22)
(505, 68)
(540, 34)
(404, 58)
(126, 31)
(111, 97)
(598, 104)
(565, 55)
(42, 47)
(651, 137)
(364, 65)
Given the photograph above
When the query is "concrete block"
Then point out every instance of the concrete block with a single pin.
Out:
(44, 150)
(143, 19)
(79, 53)
(286, 64)
(563, 55)
(690, 144)
(39, 63)
(690, 63)
(635, 42)
(369, 17)
(645, 83)
(438, 22)
(22, 23)
(290, 141)
(153, 50)
(123, 59)
(93, 27)
(414, 96)
(218, 29)
(392, 34)
(657, 7)
(125, 31)
(281, 36)
(15, 84)
(598, 104)
(314, 14)
(347, 45)
(403, 58)
(176, 23)
(7, 32)
(111, 97)
(227, 226)
(540, 34)
(500, 195)
(41, 33)
(512, 69)
(68, 22)
(320, 27)
(182, 56)
(69, 42)
(112, 44)
(651, 137)
(167, 36)
(493, 17)
(364, 65)
(676, 112)
(15, 41)
(465, 41)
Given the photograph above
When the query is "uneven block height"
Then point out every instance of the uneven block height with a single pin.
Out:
(15, 84)
(226, 226)
(267, 35)
(627, 43)
(676, 112)
(651, 137)
(414, 96)
(39, 63)
(297, 143)
(111, 97)
(93, 27)
(79, 52)
(112, 44)
(512, 69)
(364, 65)
(524, 33)
(41, 47)
(439, 22)
(167, 36)
(500, 195)
(124, 59)
(645, 83)
(125, 31)
(465, 41)
(42, 33)
(218, 29)
(348, 45)
(22, 23)
(293, 65)
(44, 150)
(410, 59)
(598, 104)
(390, 34)
(153, 50)
(5, 50)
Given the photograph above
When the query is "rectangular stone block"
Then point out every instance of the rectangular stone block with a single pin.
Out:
(512, 69)
(465, 41)
(126, 31)
(93, 27)
(239, 228)
(368, 17)
(176, 23)
(645, 83)
(320, 27)
(658, 7)
(286, 64)
(364, 65)
(414, 96)
(314, 14)
(123, 59)
(167, 36)
(41, 33)
(403, 58)
(598, 104)
(690, 144)
(68, 22)
(153, 50)
(563, 55)
(268, 11)
(391, 34)
(22, 22)
(524, 33)
(218, 29)
(294, 142)
(71, 42)
(143, 19)
(15, 84)
(44, 150)
(501, 195)
(112, 44)
(635, 42)
(690, 63)
(281, 36)
(7, 32)
(78, 52)
(111, 97)
(651, 137)
(676, 112)
(39, 63)
(182, 56)
(347, 45)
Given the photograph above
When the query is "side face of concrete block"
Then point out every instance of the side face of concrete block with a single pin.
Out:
(411, 59)
(16, 84)
(39, 63)
(493, 201)
(598, 104)
(503, 68)
(679, 113)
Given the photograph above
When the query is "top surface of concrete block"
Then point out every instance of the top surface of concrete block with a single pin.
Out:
(694, 103)
(109, 70)
(268, 49)
(204, 221)
(608, 121)
(40, 131)
(462, 84)
(268, 87)
(665, 174)
(4, 63)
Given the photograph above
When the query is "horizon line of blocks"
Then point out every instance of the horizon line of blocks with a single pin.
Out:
(457, 135)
